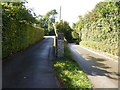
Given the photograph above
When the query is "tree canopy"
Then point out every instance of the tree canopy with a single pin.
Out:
(47, 21)
(63, 27)
(17, 11)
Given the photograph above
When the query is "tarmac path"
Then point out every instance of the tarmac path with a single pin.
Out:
(102, 72)
(31, 68)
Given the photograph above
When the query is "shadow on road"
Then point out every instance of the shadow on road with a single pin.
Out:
(99, 68)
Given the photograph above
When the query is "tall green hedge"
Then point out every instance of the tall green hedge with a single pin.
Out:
(100, 28)
(18, 36)
(18, 31)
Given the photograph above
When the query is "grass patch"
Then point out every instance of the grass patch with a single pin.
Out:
(69, 74)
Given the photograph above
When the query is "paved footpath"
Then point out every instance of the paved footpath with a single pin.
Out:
(102, 72)
(31, 68)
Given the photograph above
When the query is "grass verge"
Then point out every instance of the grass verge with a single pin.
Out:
(68, 72)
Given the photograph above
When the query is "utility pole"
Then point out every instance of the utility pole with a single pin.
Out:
(60, 13)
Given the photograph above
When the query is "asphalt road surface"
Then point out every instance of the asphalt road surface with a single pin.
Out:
(102, 72)
(31, 68)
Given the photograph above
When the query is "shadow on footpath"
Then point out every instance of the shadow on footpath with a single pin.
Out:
(95, 67)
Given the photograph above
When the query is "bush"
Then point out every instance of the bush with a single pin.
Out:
(17, 30)
(101, 47)
(63, 27)
(100, 28)
(17, 36)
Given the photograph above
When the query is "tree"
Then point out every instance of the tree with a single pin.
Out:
(17, 11)
(77, 27)
(48, 21)
(63, 27)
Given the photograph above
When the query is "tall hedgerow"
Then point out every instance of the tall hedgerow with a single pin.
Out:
(99, 29)
(18, 31)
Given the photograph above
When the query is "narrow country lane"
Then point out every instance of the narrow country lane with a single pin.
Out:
(31, 68)
(102, 72)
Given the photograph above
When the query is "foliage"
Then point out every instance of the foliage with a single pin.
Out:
(98, 46)
(18, 31)
(69, 73)
(63, 27)
(47, 22)
(17, 11)
(100, 27)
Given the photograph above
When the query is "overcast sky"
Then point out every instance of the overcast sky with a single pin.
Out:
(71, 9)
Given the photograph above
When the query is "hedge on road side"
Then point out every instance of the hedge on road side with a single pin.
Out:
(18, 36)
(18, 31)
(99, 29)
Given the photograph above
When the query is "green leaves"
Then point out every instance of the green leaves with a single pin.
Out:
(101, 25)
(70, 72)
(47, 22)
(18, 32)
(17, 11)
(63, 27)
